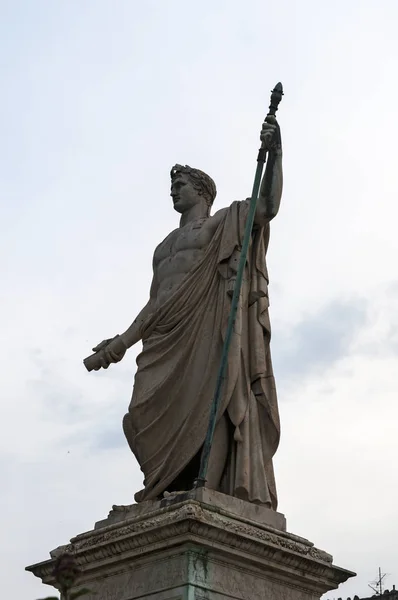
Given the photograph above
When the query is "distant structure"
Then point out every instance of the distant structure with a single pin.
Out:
(378, 588)
(377, 585)
(387, 595)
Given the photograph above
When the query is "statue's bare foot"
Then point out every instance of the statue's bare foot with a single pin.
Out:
(170, 495)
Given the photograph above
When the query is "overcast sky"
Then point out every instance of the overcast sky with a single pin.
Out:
(99, 99)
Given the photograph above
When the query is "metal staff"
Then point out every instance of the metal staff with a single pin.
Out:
(276, 97)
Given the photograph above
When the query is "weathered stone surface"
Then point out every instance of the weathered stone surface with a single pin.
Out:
(228, 504)
(195, 550)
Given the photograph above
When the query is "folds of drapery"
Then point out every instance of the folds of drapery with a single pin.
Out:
(178, 366)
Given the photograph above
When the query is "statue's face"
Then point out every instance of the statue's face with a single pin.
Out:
(183, 193)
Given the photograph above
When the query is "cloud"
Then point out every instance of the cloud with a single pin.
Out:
(380, 338)
(318, 340)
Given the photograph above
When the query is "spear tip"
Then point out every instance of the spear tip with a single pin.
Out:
(276, 97)
(278, 88)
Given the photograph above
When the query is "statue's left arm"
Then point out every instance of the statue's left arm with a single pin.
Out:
(271, 186)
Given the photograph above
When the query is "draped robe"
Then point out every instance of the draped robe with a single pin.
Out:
(177, 369)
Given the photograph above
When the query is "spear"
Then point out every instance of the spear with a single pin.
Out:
(276, 97)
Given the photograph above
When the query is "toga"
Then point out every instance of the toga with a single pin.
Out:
(175, 381)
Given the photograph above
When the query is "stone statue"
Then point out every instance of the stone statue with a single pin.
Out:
(182, 329)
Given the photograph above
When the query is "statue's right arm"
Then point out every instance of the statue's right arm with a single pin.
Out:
(113, 350)
(133, 334)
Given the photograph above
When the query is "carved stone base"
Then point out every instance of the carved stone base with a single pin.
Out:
(200, 545)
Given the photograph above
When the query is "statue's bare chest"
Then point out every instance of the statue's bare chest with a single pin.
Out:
(193, 237)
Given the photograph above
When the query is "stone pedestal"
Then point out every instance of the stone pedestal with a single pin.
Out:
(200, 545)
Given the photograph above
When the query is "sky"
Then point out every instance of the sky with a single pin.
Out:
(99, 99)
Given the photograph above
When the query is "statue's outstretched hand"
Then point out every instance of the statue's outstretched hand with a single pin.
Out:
(107, 352)
(102, 345)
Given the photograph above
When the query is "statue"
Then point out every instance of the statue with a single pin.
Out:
(182, 328)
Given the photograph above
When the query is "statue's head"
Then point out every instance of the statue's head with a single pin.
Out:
(190, 186)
